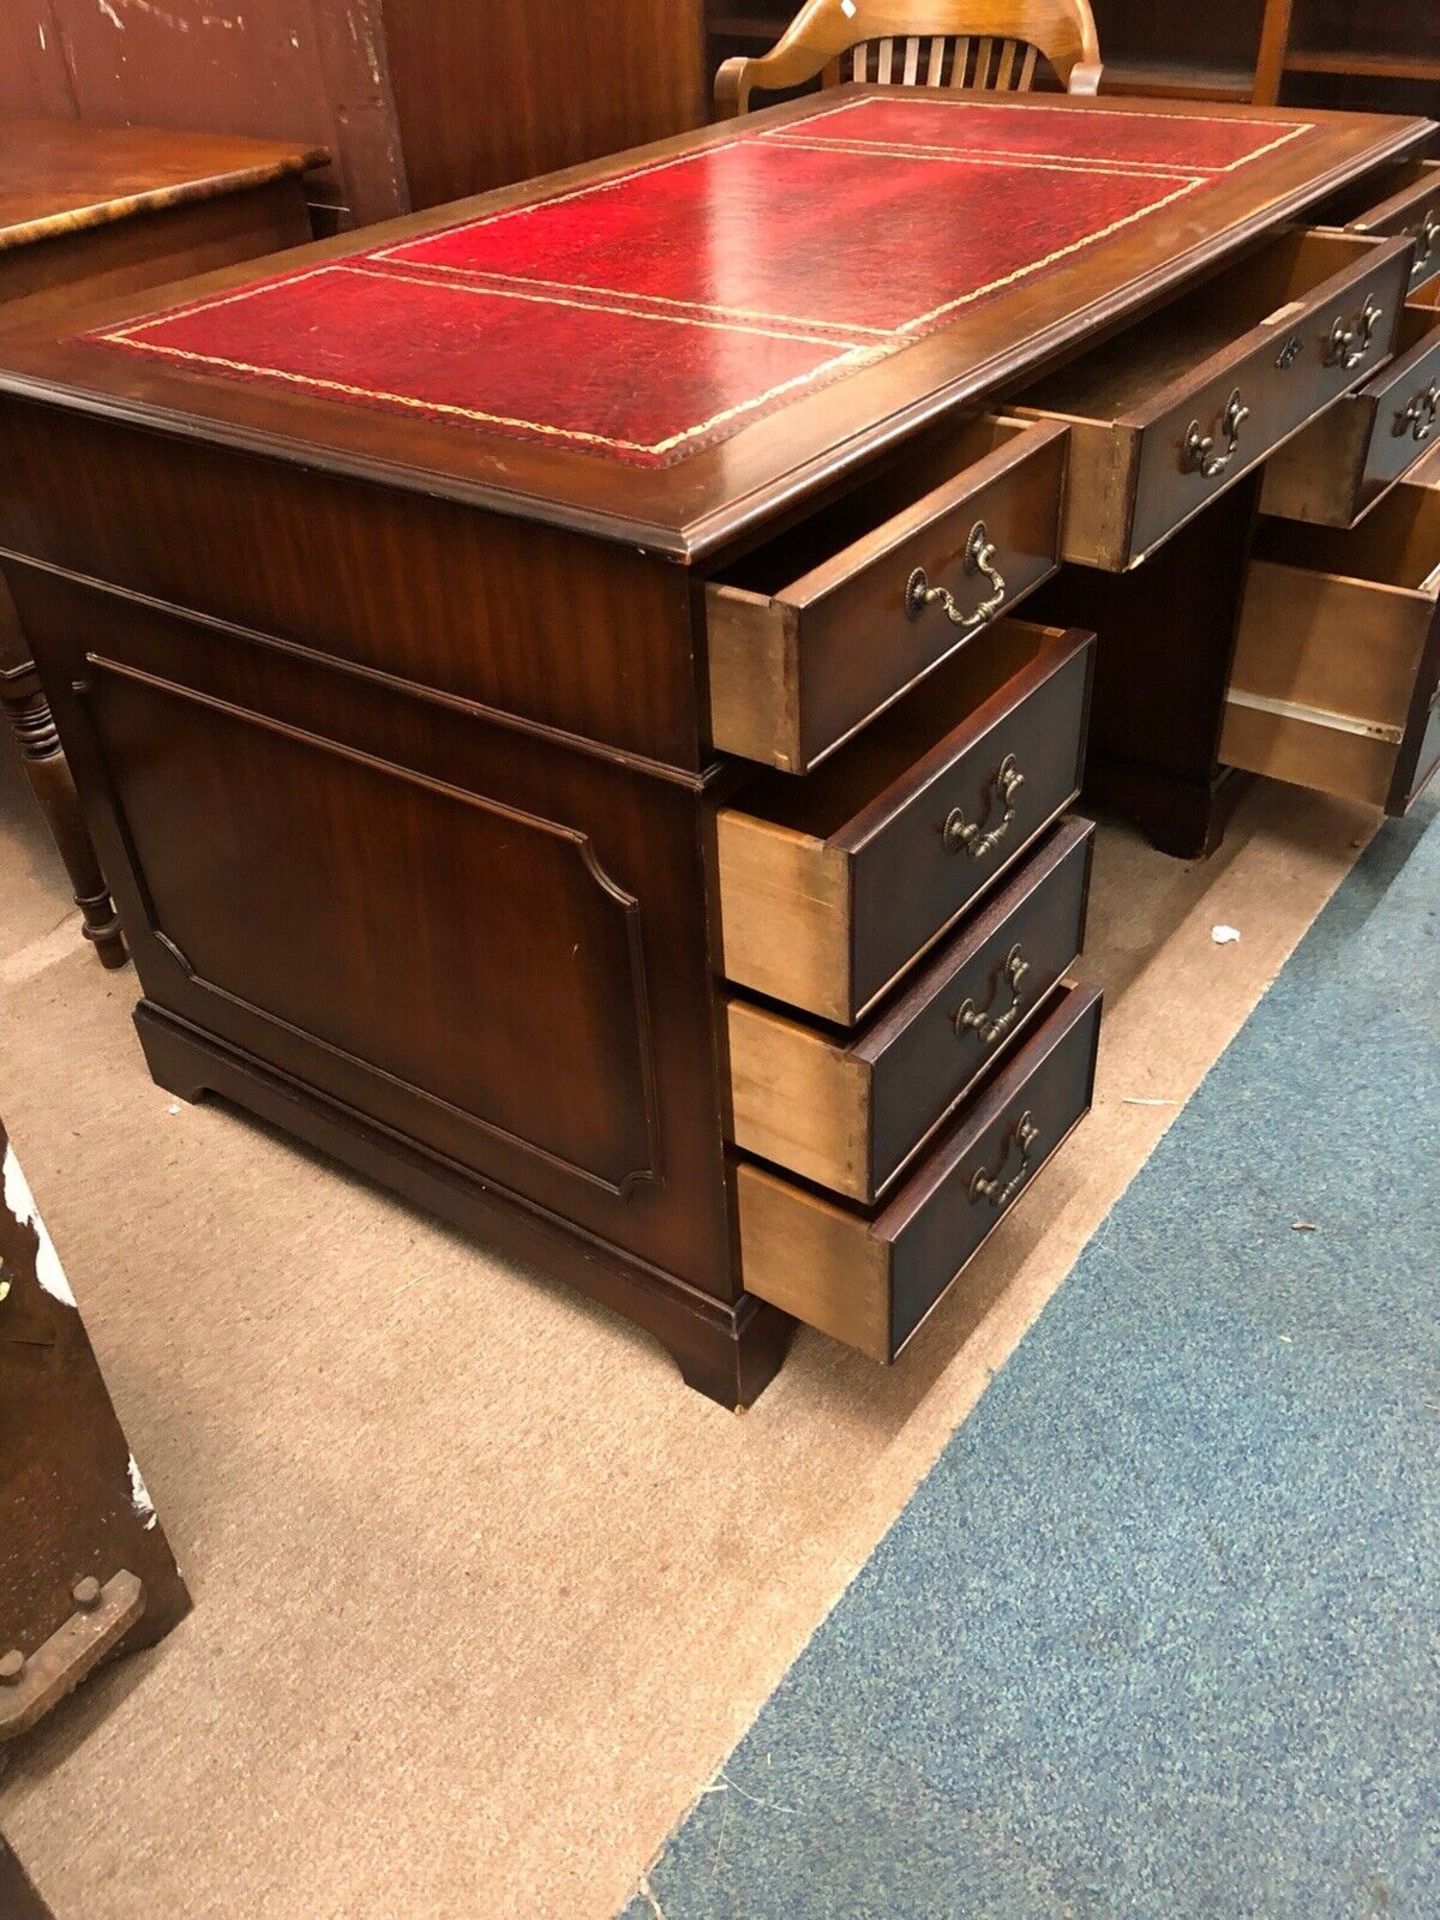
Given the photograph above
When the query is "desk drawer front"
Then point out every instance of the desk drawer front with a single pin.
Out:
(1283, 386)
(814, 634)
(1341, 464)
(870, 1277)
(1412, 208)
(851, 1115)
(1168, 415)
(831, 887)
(1338, 656)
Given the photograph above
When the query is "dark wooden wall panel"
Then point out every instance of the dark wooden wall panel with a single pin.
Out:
(490, 93)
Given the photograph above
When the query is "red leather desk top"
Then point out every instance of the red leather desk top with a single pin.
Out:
(646, 316)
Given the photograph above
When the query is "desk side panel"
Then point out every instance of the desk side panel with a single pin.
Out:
(550, 627)
(488, 940)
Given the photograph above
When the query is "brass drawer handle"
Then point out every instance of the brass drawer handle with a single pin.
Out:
(1426, 234)
(1198, 454)
(959, 835)
(979, 558)
(986, 1186)
(1418, 419)
(973, 1019)
(1348, 346)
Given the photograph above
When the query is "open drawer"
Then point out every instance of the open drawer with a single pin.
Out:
(849, 1112)
(1338, 657)
(831, 886)
(1404, 200)
(812, 634)
(1174, 410)
(1342, 463)
(869, 1277)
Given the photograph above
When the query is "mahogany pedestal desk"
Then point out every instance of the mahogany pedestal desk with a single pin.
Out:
(550, 705)
(88, 213)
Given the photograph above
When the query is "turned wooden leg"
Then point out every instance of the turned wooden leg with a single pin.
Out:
(44, 763)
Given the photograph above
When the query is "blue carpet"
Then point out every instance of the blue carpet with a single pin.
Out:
(1156, 1637)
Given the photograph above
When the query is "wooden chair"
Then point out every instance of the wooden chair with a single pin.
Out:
(931, 43)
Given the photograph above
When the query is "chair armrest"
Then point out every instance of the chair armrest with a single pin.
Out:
(732, 88)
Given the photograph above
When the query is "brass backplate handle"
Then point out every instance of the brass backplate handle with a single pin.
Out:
(1419, 416)
(1347, 346)
(980, 552)
(992, 1026)
(30, 1684)
(1426, 234)
(1198, 455)
(986, 1186)
(959, 835)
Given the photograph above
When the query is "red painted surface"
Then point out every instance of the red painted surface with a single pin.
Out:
(627, 382)
(1168, 138)
(864, 241)
(660, 311)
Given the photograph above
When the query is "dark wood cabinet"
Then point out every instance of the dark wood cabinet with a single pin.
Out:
(85, 1569)
(307, 72)
(416, 101)
(89, 213)
(18, 1897)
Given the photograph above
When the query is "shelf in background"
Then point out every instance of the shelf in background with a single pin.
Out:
(1366, 66)
(1178, 79)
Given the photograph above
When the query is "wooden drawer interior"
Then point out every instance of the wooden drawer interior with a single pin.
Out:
(849, 1113)
(812, 634)
(1260, 327)
(870, 1276)
(1335, 672)
(831, 886)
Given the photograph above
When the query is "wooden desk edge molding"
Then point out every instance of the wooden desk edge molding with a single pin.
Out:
(490, 747)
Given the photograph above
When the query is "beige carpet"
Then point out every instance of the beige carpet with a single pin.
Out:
(483, 1594)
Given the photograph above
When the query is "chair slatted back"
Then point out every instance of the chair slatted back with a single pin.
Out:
(940, 60)
(996, 45)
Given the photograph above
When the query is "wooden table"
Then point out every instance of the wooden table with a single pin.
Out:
(89, 213)
(550, 705)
